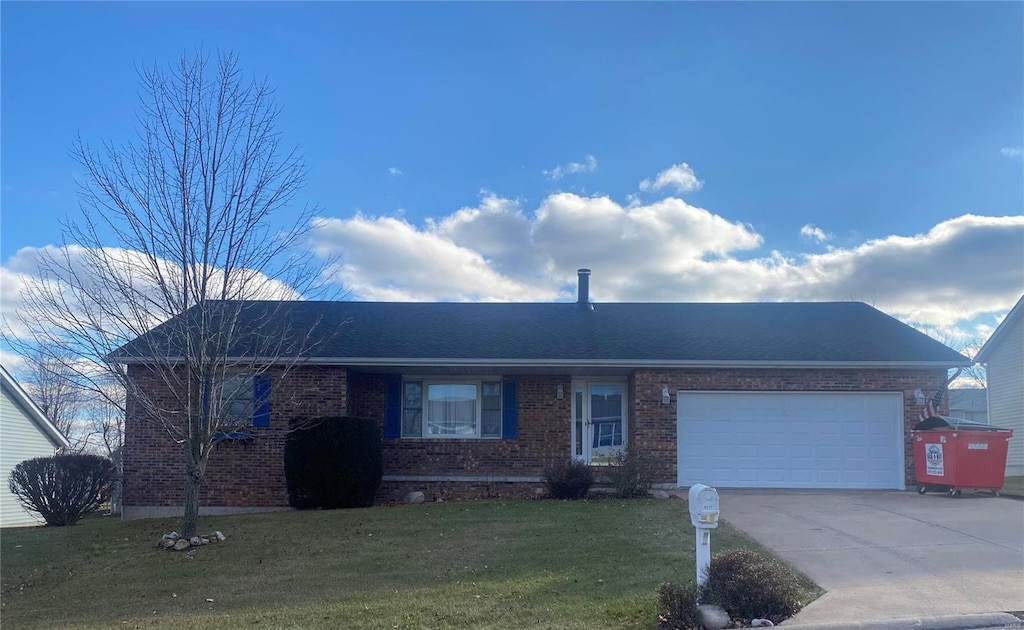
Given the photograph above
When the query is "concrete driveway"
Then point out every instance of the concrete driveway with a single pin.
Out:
(890, 554)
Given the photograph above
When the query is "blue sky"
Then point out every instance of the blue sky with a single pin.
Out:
(435, 134)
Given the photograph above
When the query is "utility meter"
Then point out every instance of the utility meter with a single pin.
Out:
(703, 506)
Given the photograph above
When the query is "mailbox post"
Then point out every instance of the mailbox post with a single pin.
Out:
(704, 516)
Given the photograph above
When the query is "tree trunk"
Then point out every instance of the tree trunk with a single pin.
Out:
(190, 520)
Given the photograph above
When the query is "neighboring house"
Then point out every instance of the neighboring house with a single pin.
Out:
(1003, 356)
(25, 433)
(969, 404)
(476, 399)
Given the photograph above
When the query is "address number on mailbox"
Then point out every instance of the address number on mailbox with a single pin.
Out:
(704, 506)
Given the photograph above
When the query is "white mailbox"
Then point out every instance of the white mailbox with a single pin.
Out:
(703, 506)
(704, 516)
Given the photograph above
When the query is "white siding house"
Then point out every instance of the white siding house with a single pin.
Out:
(25, 432)
(1003, 356)
(969, 404)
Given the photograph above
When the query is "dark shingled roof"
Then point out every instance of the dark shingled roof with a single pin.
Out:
(818, 332)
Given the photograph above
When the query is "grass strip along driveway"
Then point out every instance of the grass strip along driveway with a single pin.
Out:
(530, 564)
(1014, 486)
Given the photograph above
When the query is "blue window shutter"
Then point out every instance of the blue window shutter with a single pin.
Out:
(261, 400)
(393, 408)
(509, 410)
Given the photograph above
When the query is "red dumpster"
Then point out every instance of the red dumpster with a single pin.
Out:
(951, 455)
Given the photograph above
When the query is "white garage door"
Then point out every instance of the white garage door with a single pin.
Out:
(790, 440)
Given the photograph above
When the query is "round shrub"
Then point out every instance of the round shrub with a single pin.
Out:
(749, 585)
(65, 488)
(568, 480)
(334, 462)
(677, 606)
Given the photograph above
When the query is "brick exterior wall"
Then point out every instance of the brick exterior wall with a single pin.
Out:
(543, 437)
(239, 473)
(251, 474)
(655, 424)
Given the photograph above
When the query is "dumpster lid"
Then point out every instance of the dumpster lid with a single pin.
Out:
(959, 424)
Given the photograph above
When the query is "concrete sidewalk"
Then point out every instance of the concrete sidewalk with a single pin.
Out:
(885, 555)
(954, 622)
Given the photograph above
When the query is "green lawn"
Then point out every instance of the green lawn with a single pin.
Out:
(532, 564)
(1014, 486)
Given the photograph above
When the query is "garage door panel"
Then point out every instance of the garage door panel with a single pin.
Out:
(801, 476)
(790, 440)
(802, 451)
(799, 426)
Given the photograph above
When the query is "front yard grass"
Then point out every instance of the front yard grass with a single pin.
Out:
(530, 564)
(1013, 486)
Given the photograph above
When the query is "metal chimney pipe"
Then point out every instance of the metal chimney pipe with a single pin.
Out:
(583, 295)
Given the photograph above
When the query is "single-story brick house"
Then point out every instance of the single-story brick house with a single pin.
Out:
(475, 399)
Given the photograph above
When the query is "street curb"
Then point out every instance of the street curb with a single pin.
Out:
(949, 622)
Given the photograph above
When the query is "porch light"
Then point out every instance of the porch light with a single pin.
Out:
(666, 398)
(561, 393)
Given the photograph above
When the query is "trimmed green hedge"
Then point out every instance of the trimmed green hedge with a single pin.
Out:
(333, 462)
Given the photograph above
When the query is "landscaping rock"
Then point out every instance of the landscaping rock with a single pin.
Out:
(171, 536)
(414, 498)
(661, 494)
(167, 544)
(219, 535)
(712, 617)
(180, 544)
(762, 623)
(195, 541)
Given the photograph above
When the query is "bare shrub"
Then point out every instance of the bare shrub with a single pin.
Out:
(749, 585)
(568, 480)
(65, 488)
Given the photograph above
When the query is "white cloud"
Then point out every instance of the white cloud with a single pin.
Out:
(395, 171)
(495, 251)
(588, 165)
(663, 250)
(28, 272)
(679, 177)
(388, 259)
(669, 250)
(1012, 152)
(13, 362)
(815, 233)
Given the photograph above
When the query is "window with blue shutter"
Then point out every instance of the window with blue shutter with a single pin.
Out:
(393, 407)
(261, 400)
(509, 410)
(244, 402)
(450, 408)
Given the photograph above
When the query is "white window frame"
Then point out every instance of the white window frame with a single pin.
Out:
(478, 382)
(228, 420)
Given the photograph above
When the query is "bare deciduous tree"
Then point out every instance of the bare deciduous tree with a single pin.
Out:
(974, 375)
(51, 380)
(181, 231)
(105, 422)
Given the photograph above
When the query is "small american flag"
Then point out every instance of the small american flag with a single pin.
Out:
(932, 407)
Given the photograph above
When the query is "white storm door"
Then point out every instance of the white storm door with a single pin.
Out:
(598, 421)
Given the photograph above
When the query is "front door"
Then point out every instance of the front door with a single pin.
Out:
(599, 421)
